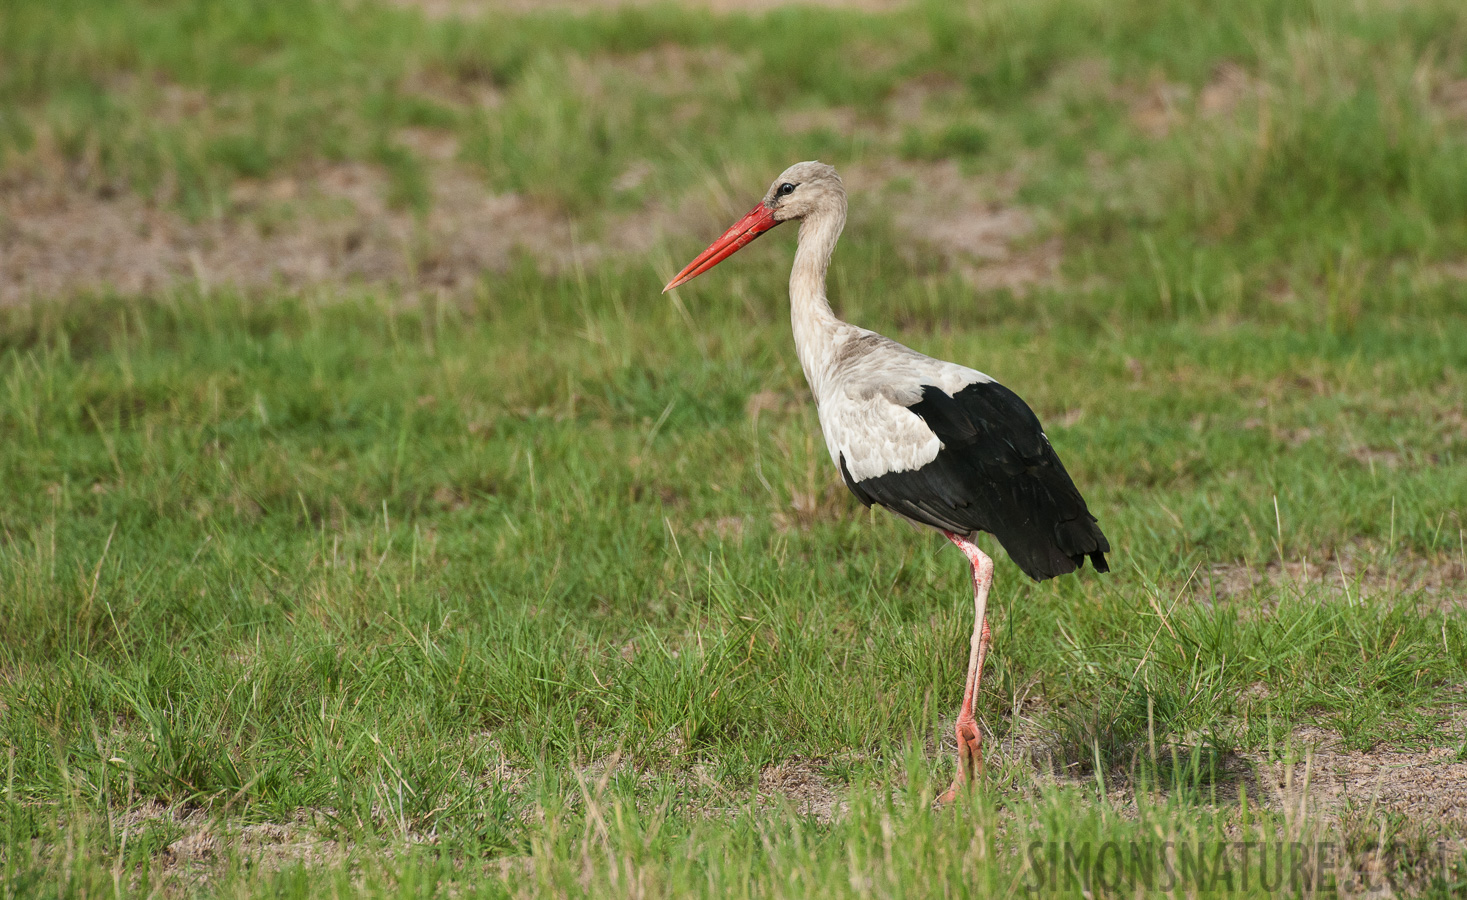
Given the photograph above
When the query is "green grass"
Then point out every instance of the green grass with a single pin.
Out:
(511, 594)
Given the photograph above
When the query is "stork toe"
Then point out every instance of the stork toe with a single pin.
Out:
(970, 760)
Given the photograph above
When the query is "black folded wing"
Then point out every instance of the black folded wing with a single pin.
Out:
(996, 472)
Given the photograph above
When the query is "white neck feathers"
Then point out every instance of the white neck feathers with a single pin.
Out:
(810, 314)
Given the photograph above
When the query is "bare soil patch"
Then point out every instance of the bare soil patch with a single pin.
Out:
(206, 844)
(445, 9)
(1379, 802)
(1451, 97)
(1352, 574)
(971, 222)
(1428, 787)
(1160, 106)
(459, 91)
(65, 229)
(799, 782)
(668, 70)
(906, 106)
(328, 225)
(325, 225)
(842, 120)
(778, 403)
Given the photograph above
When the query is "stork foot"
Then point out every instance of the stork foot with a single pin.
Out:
(970, 760)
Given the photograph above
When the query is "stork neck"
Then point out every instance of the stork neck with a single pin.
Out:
(810, 314)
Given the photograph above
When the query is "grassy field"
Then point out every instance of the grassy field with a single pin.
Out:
(372, 525)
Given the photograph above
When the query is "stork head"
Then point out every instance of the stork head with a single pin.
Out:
(804, 189)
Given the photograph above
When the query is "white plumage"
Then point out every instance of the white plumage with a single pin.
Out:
(865, 403)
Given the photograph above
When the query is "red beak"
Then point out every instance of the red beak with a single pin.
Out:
(759, 220)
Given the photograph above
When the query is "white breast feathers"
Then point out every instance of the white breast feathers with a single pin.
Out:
(863, 393)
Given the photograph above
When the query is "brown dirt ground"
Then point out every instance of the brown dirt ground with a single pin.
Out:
(1450, 96)
(1158, 107)
(799, 782)
(64, 230)
(204, 846)
(1315, 778)
(1428, 786)
(972, 223)
(329, 225)
(443, 9)
(1351, 574)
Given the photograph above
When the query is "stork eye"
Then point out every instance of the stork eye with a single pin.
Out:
(786, 189)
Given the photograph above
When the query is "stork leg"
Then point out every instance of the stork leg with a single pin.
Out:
(970, 739)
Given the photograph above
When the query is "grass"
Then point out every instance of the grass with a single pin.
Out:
(516, 592)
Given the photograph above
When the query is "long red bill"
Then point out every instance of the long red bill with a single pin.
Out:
(759, 220)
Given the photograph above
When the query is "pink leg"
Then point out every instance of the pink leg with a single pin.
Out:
(970, 739)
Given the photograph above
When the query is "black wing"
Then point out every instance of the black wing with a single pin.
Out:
(997, 473)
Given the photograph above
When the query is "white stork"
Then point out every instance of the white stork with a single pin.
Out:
(939, 444)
